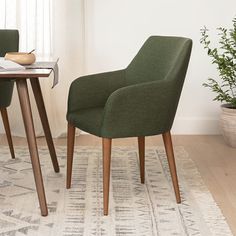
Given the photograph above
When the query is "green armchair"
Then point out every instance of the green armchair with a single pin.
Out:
(138, 101)
(9, 42)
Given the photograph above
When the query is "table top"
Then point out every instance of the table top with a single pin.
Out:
(27, 73)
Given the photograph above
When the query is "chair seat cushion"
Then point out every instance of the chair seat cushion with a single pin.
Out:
(88, 120)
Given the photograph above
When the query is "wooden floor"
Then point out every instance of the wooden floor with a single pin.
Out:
(215, 161)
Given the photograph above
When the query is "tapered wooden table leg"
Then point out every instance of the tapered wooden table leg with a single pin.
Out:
(30, 134)
(8, 131)
(44, 119)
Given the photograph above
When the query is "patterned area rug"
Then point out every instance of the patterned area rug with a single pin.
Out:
(135, 209)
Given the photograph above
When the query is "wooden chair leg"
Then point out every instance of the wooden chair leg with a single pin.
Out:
(70, 152)
(171, 161)
(106, 143)
(141, 148)
(8, 131)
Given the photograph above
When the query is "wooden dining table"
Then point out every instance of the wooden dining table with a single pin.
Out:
(21, 78)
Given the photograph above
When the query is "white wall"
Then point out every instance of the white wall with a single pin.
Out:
(115, 30)
(69, 47)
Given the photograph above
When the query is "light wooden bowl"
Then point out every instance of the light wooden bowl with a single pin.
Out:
(22, 58)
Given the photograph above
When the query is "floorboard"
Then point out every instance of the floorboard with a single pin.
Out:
(214, 159)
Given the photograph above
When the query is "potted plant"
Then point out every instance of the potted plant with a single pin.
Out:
(224, 57)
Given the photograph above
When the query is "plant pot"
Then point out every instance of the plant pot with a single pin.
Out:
(228, 124)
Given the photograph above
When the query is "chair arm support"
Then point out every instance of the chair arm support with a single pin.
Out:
(140, 110)
(94, 90)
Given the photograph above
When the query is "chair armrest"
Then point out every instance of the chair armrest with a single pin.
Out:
(141, 110)
(94, 90)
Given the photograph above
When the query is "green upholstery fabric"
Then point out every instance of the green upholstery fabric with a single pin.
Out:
(9, 42)
(6, 89)
(140, 100)
(89, 120)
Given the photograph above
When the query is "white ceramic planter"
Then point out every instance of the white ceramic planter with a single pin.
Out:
(228, 125)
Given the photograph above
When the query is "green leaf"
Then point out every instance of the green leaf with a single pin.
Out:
(224, 57)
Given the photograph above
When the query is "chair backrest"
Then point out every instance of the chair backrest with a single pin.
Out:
(9, 42)
(157, 57)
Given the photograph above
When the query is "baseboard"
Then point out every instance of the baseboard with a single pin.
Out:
(181, 125)
(195, 125)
